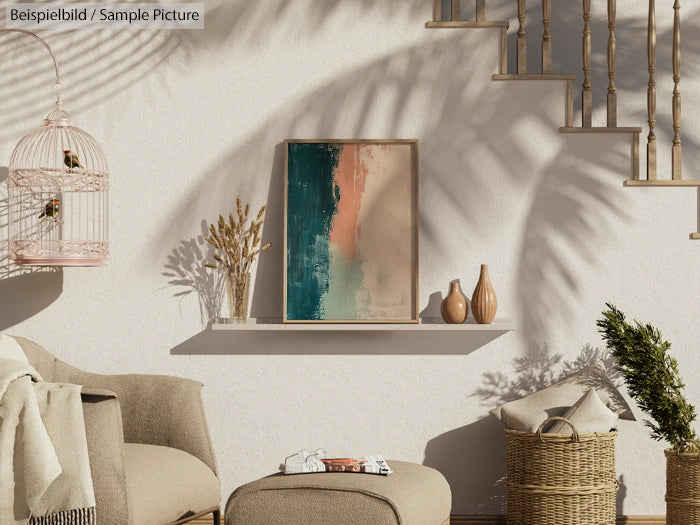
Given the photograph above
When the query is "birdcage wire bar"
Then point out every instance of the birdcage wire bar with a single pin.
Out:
(74, 231)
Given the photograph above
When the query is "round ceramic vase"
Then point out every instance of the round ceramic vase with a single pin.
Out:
(454, 307)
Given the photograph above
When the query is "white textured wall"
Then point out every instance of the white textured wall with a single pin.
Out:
(191, 119)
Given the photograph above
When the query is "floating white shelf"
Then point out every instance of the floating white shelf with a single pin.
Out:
(498, 325)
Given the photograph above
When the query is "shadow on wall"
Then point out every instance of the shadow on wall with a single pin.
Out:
(267, 294)
(90, 62)
(374, 99)
(473, 460)
(350, 106)
(538, 369)
(353, 96)
(337, 342)
(560, 234)
(186, 268)
(24, 290)
(107, 62)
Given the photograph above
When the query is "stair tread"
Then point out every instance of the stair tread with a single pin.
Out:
(467, 23)
(533, 77)
(600, 130)
(663, 182)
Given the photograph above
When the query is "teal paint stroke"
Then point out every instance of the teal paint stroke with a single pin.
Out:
(311, 204)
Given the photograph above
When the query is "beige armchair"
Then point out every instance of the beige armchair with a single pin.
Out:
(150, 453)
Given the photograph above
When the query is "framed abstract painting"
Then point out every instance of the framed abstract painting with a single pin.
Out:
(351, 231)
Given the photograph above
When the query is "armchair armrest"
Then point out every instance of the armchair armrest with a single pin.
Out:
(161, 410)
(105, 441)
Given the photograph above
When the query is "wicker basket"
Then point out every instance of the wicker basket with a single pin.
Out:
(682, 488)
(560, 479)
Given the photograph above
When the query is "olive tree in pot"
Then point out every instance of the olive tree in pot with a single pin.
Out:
(652, 379)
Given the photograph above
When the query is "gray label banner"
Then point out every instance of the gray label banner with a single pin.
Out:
(137, 16)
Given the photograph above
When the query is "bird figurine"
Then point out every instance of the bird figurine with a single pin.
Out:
(71, 160)
(50, 210)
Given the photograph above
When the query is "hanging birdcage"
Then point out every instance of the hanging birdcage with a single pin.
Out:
(58, 187)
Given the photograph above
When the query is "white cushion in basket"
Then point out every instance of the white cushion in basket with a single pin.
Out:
(588, 415)
(527, 413)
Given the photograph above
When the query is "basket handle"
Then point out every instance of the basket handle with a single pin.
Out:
(574, 432)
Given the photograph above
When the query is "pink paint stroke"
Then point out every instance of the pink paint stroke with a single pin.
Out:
(350, 177)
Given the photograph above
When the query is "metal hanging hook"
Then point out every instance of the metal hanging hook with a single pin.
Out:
(43, 43)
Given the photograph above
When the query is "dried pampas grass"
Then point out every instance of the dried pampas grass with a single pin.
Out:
(237, 244)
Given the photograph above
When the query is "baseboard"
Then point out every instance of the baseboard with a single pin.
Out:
(501, 520)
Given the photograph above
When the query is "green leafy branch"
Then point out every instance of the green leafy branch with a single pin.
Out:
(237, 245)
(652, 377)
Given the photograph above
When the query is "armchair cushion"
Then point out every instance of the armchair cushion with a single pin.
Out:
(166, 484)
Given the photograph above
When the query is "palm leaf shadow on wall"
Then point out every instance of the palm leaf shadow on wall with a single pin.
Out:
(24, 290)
(94, 65)
(408, 73)
(108, 62)
(384, 91)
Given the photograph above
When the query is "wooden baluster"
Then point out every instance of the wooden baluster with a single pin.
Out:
(677, 148)
(481, 10)
(587, 95)
(546, 38)
(651, 92)
(455, 10)
(437, 14)
(522, 42)
(612, 90)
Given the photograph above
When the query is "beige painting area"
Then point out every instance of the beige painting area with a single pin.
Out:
(373, 231)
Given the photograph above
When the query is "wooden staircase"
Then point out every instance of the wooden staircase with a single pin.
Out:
(451, 18)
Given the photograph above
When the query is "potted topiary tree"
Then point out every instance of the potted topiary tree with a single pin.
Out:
(652, 379)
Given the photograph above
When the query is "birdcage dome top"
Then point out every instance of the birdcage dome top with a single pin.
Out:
(59, 148)
(59, 117)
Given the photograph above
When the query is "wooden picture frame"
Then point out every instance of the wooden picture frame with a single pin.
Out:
(351, 231)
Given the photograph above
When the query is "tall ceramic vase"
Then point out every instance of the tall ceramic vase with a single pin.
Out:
(454, 307)
(484, 302)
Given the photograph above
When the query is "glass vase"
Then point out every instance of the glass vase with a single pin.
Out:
(237, 285)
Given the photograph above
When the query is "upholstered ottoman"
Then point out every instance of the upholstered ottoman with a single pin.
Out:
(412, 495)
